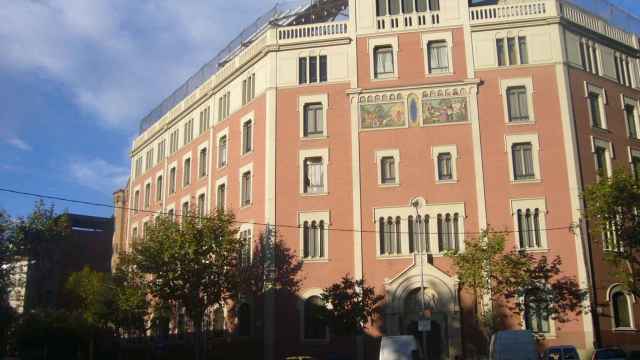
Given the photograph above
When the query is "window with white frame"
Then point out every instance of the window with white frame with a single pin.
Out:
(203, 161)
(204, 120)
(245, 237)
(314, 235)
(419, 234)
(247, 136)
(621, 308)
(172, 180)
(149, 159)
(313, 175)
(224, 105)
(161, 150)
(512, 50)
(610, 240)
(221, 196)
(383, 61)
(313, 120)
(388, 170)
(631, 116)
(245, 188)
(312, 69)
(530, 223)
(159, 188)
(134, 233)
(136, 201)
(589, 56)
(185, 209)
(448, 232)
(138, 167)
(595, 110)
(147, 195)
(522, 157)
(186, 178)
(438, 57)
(444, 158)
(222, 151)
(390, 235)
(248, 89)
(536, 316)
(623, 69)
(174, 139)
(603, 153)
(202, 204)
(188, 132)
(394, 7)
(517, 104)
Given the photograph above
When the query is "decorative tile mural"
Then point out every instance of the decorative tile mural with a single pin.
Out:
(413, 108)
(440, 111)
(378, 116)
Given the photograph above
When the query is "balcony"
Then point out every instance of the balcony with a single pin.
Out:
(513, 11)
(408, 21)
(312, 32)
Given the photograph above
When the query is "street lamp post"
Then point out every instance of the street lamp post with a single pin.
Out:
(416, 204)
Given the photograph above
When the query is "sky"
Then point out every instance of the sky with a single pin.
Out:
(76, 77)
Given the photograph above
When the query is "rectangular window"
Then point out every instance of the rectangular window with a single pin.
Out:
(203, 161)
(383, 61)
(313, 69)
(419, 234)
(381, 7)
(159, 188)
(630, 113)
(313, 176)
(500, 52)
(185, 209)
(138, 167)
(147, 196)
(594, 106)
(601, 161)
(434, 5)
(323, 68)
(247, 137)
(511, 51)
(188, 132)
(302, 70)
(522, 50)
(394, 7)
(173, 141)
(246, 189)
(536, 318)
(245, 252)
(618, 64)
(390, 235)
(186, 179)
(522, 157)
(517, 104)
(313, 120)
(628, 71)
(172, 180)
(596, 67)
(313, 233)
(136, 201)
(529, 228)
(388, 170)
(161, 149)
(421, 5)
(201, 205)
(438, 53)
(204, 121)
(445, 167)
(635, 161)
(149, 159)
(222, 152)
(583, 55)
(221, 196)
(248, 89)
(407, 6)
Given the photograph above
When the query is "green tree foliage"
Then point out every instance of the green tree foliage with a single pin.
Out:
(91, 296)
(518, 277)
(351, 304)
(129, 298)
(612, 210)
(191, 264)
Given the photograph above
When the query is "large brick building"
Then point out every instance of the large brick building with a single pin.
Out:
(414, 125)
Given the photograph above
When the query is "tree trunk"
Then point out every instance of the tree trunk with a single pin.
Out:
(197, 339)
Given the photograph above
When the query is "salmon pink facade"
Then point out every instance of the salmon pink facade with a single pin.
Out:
(374, 136)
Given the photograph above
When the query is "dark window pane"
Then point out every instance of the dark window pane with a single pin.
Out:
(421, 5)
(323, 68)
(500, 51)
(394, 7)
(302, 70)
(381, 7)
(313, 69)
(407, 6)
(522, 47)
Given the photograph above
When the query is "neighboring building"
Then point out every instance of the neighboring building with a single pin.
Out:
(89, 244)
(340, 115)
(120, 198)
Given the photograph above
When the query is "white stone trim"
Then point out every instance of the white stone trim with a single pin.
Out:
(379, 154)
(310, 153)
(314, 216)
(453, 150)
(608, 146)
(242, 170)
(527, 82)
(427, 37)
(304, 100)
(535, 152)
(539, 203)
(248, 117)
(221, 181)
(383, 41)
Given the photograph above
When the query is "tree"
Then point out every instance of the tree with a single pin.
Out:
(191, 264)
(612, 210)
(520, 278)
(131, 305)
(350, 305)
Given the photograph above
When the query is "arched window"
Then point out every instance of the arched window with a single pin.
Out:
(529, 228)
(314, 327)
(621, 309)
(448, 232)
(244, 320)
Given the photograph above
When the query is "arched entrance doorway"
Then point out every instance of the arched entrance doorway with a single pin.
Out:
(437, 343)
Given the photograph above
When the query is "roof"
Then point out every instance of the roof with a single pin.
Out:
(283, 13)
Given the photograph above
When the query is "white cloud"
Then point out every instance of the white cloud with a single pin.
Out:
(18, 143)
(98, 174)
(119, 58)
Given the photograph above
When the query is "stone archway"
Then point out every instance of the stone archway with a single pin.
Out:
(404, 306)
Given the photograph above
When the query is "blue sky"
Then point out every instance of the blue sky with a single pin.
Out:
(76, 76)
